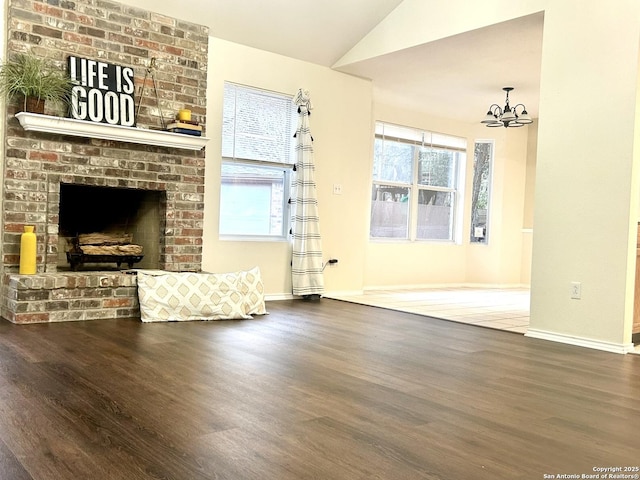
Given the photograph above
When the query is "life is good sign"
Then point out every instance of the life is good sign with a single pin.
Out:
(102, 92)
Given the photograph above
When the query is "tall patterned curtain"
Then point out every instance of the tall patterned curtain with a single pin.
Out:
(306, 265)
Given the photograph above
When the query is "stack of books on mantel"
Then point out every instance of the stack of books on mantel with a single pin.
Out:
(187, 127)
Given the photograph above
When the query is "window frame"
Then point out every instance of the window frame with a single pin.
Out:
(416, 137)
(286, 166)
(286, 207)
(488, 193)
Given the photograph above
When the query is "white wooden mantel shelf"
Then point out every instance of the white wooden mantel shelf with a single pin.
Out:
(80, 128)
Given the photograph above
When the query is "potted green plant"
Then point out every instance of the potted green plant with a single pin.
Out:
(35, 80)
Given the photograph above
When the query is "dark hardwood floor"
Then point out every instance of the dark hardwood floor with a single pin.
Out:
(315, 390)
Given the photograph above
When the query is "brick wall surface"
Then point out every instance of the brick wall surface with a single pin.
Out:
(36, 163)
(65, 297)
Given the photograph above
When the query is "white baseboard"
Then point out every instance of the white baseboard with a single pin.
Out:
(445, 285)
(375, 288)
(343, 293)
(277, 296)
(349, 293)
(268, 297)
(580, 341)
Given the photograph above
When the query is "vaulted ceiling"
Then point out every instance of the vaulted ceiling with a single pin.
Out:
(452, 77)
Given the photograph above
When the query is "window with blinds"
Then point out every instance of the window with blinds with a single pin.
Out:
(257, 157)
(416, 183)
(257, 125)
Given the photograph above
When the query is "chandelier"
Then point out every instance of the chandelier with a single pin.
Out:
(507, 116)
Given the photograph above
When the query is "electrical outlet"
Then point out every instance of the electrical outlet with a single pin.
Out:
(337, 189)
(576, 290)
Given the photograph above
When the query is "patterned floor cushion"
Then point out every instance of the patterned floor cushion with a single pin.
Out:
(251, 286)
(190, 296)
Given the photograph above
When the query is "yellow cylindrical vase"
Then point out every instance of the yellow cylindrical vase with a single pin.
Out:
(28, 251)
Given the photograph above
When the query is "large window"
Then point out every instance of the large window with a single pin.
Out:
(257, 157)
(415, 193)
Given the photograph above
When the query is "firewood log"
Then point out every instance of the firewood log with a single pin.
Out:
(130, 249)
(98, 238)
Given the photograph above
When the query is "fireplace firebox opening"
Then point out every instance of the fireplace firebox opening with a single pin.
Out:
(110, 212)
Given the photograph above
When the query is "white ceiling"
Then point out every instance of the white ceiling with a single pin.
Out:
(456, 77)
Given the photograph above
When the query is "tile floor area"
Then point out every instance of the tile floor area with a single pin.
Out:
(499, 308)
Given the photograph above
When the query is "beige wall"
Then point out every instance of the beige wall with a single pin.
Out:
(499, 262)
(398, 263)
(341, 127)
(529, 203)
(416, 22)
(586, 183)
(530, 185)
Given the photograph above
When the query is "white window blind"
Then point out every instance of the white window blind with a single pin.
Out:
(257, 125)
(419, 137)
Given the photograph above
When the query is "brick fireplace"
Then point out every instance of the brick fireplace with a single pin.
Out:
(41, 168)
